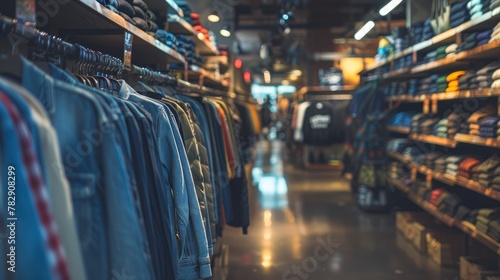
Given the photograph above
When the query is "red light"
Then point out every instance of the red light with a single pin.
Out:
(238, 63)
(247, 76)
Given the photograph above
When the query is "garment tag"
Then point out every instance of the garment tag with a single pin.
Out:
(127, 51)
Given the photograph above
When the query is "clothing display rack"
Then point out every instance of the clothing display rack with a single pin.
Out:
(166, 174)
(426, 133)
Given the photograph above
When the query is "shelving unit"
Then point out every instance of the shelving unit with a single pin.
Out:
(178, 25)
(399, 129)
(465, 227)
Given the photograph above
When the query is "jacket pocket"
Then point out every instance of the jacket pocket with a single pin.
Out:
(83, 190)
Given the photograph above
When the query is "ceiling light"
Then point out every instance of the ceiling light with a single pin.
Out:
(225, 31)
(389, 7)
(287, 30)
(213, 17)
(296, 72)
(285, 17)
(364, 30)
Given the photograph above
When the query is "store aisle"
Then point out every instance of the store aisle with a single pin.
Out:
(305, 226)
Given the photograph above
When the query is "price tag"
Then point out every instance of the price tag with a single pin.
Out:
(434, 105)
(127, 51)
(426, 106)
(414, 174)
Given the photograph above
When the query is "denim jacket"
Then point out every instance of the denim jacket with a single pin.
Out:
(93, 160)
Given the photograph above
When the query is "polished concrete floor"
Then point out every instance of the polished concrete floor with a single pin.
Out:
(304, 225)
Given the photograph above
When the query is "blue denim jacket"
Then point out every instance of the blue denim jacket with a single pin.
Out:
(32, 261)
(93, 159)
(193, 261)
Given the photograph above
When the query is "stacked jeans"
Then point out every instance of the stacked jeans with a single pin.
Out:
(485, 217)
(428, 85)
(412, 86)
(167, 38)
(428, 31)
(470, 42)
(459, 14)
(476, 118)
(488, 127)
(186, 9)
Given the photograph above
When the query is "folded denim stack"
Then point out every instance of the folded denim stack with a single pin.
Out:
(413, 86)
(475, 119)
(488, 127)
(459, 14)
(186, 9)
(496, 79)
(448, 203)
(465, 81)
(187, 49)
(442, 128)
(402, 62)
(402, 88)
(441, 83)
(469, 42)
(483, 37)
(452, 164)
(417, 32)
(465, 167)
(167, 38)
(428, 31)
(416, 121)
(495, 34)
(478, 7)
(484, 172)
(402, 119)
(485, 217)
(430, 158)
(453, 80)
(431, 56)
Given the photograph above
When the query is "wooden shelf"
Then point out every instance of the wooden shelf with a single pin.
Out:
(399, 157)
(399, 129)
(400, 185)
(431, 139)
(448, 37)
(446, 95)
(476, 140)
(465, 227)
(94, 26)
(439, 65)
(400, 73)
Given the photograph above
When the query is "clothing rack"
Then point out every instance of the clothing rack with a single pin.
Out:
(105, 63)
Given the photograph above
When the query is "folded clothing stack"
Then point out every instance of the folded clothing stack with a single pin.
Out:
(187, 49)
(420, 189)
(429, 159)
(494, 229)
(466, 166)
(459, 14)
(441, 129)
(428, 85)
(448, 203)
(441, 52)
(430, 56)
(465, 81)
(412, 152)
(462, 213)
(415, 122)
(496, 79)
(186, 10)
(421, 31)
(198, 26)
(442, 84)
(399, 145)
(494, 4)
(455, 120)
(401, 41)
(452, 165)
(478, 7)
(451, 50)
(434, 196)
(135, 12)
(484, 217)
(167, 38)
(469, 42)
(428, 126)
(484, 76)
(475, 118)
(483, 173)
(402, 119)
(488, 127)
(495, 34)
(402, 62)
(413, 86)
(453, 81)
(495, 183)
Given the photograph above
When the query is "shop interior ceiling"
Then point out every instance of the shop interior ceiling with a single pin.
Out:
(316, 27)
